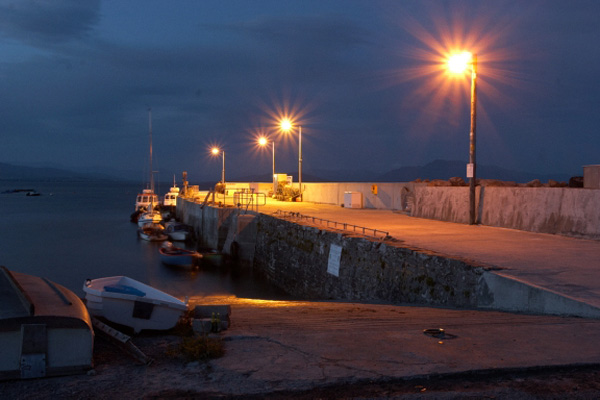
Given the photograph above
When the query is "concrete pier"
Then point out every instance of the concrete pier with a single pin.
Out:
(423, 262)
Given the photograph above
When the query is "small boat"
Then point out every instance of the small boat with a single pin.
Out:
(177, 256)
(170, 199)
(152, 232)
(45, 329)
(33, 193)
(152, 217)
(178, 231)
(212, 257)
(131, 303)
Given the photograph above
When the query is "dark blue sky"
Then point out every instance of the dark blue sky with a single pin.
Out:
(363, 78)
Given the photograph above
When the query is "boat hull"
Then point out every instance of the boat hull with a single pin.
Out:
(132, 303)
(179, 257)
(45, 329)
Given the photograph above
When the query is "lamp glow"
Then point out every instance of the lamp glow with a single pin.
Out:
(459, 63)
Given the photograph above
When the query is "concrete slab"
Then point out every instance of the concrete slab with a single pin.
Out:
(287, 345)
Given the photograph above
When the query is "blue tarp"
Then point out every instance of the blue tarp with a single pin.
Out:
(124, 289)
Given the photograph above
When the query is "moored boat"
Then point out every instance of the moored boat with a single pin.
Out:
(178, 231)
(152, 217)
(177, 256)
(131, 303)
(144, 200)
(152, 232)
(45, 329)
(147, 200)
(170, 199)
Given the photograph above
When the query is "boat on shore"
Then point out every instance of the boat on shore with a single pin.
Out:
(45, 329)
(131, 303)
(176, 256)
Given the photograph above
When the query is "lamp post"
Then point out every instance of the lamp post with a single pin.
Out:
(263, 141)
(216, 151)
(286, 126)
(458, 64)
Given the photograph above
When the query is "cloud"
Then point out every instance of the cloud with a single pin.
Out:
(43, 22)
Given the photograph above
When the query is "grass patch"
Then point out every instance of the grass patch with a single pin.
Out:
(198, 348)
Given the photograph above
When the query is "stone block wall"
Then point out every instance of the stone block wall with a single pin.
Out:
(295, 258)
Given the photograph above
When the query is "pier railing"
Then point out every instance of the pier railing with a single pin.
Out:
(376, 233)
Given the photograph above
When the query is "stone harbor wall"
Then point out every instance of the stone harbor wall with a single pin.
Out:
(313, 263)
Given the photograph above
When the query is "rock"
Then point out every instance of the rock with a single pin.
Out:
(496, 183)
(534, 183)
(439, 182)
(457, 181)
(553, 183)
(576, 182)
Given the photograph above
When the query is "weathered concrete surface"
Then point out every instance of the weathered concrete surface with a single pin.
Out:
(287, 345)
(557, 210)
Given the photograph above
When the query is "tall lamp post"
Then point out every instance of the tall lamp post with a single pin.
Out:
(459, 63)
(286, 126)
(263, 141)
(216, 151)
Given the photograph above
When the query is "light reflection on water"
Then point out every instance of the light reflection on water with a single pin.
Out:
(80, 230)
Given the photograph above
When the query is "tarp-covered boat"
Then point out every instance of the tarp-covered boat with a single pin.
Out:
(45, 329)
(131, 303)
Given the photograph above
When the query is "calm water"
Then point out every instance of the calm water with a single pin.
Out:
(79, 230)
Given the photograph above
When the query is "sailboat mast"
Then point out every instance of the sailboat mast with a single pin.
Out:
(150, 129)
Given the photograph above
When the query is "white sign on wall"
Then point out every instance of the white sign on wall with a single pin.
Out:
(333, 265)
(470, 170)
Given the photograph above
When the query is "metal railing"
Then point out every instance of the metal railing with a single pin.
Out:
(337, 225)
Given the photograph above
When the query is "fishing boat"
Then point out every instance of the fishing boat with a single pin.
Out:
(170, 199)
(177, 231)
(147, 200)
(152, 232)
(171, 255)
(151, 216)
(131, 303)
(45, 329)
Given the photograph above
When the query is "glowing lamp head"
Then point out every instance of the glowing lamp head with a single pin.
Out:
(285, 124)
(215, 150)
(262, 141)
(459, 63)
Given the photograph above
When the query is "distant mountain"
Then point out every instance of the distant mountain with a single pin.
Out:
(22, 173)
(438, 169)
(443, 169)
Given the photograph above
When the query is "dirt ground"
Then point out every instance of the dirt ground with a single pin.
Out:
(118, 376)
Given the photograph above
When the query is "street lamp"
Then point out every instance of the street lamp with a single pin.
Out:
(263, 141)
(459, 63)
(286, 125)
(216, 151)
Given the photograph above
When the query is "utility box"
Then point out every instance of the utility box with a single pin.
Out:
(352, 199)
(591, 176)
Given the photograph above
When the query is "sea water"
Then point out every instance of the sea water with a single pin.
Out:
(79, 230)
